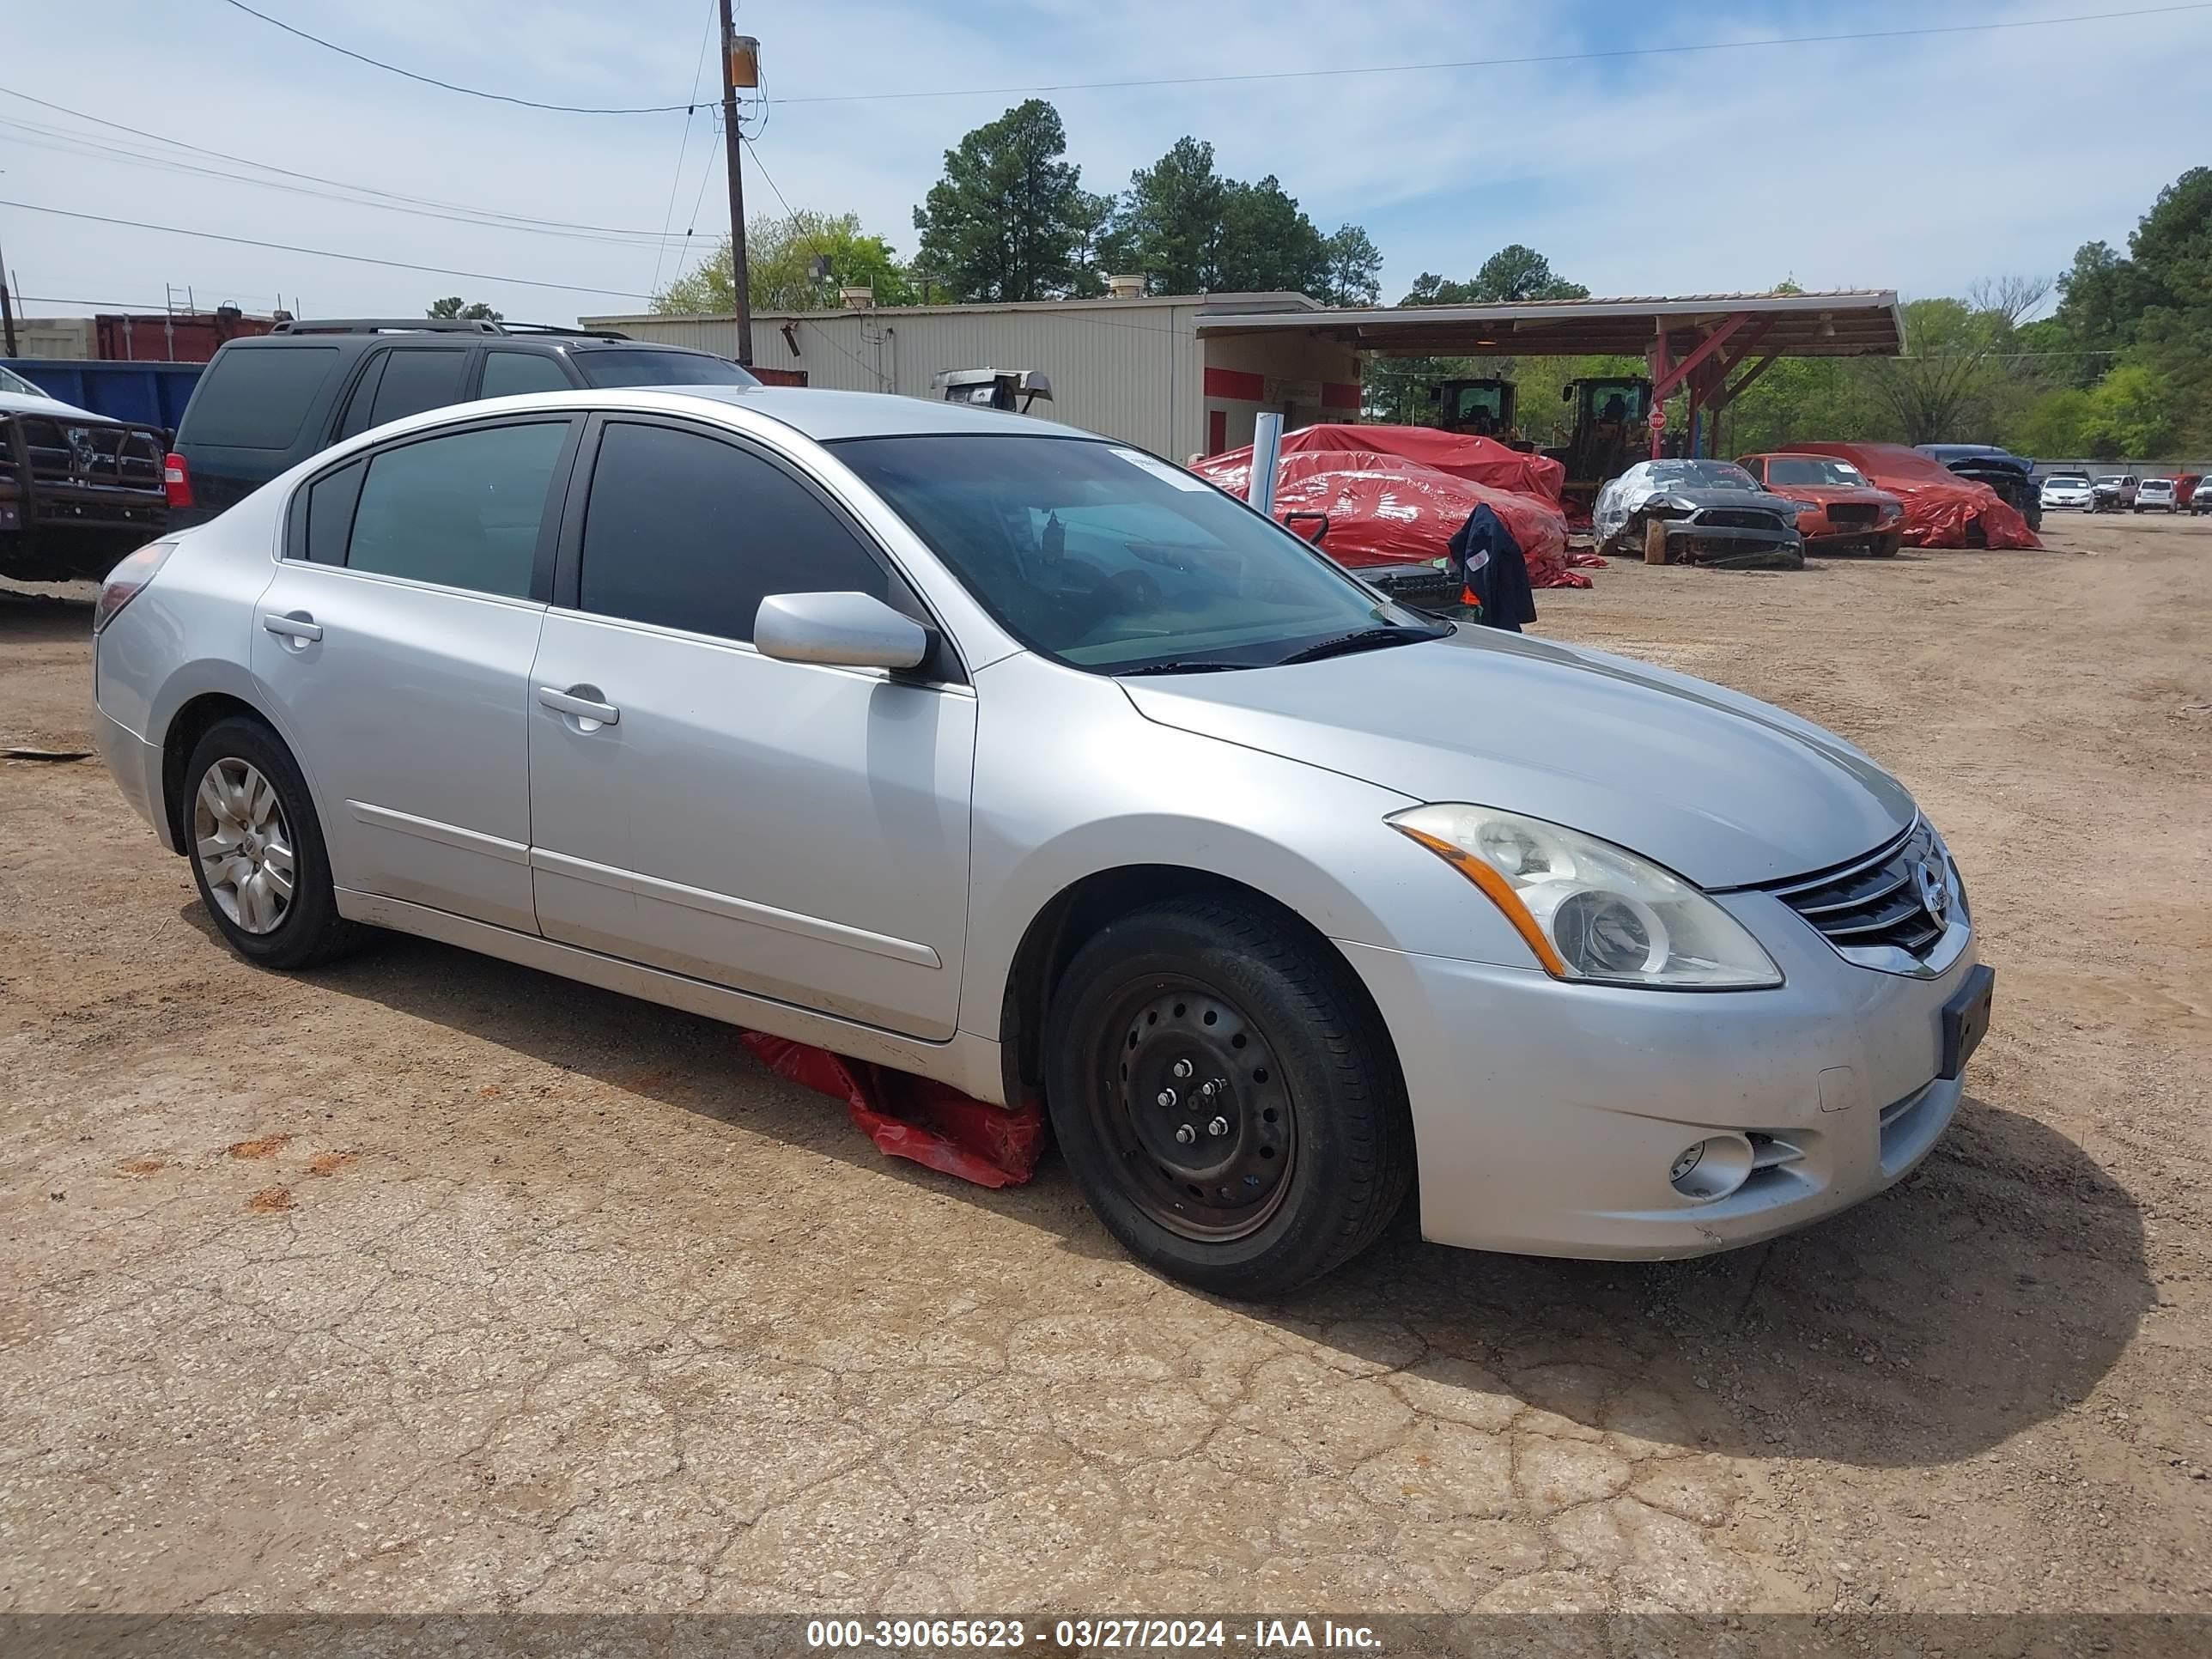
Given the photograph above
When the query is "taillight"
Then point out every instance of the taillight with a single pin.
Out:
(177, 479)
(126, 580)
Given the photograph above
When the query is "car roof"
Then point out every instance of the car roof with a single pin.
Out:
(827, 416)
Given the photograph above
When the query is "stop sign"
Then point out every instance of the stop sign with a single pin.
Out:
(1658, 417)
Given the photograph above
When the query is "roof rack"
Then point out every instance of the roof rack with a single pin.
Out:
(388, 326)
(574, 331)
(438, 325)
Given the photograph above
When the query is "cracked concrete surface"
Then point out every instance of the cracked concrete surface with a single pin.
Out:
(428, 1283)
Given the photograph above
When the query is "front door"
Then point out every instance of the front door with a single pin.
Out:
(794, 831)
(396, 640)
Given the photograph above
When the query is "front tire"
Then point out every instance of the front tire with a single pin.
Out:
(257, 851)
(1226, 1098)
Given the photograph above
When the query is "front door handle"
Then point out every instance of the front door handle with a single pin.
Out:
(295, 627)
(588, 709)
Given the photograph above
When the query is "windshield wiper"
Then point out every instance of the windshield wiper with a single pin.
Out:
(1182, 665)
(1364, 639)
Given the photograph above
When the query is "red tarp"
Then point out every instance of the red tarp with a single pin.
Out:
(1385, 509)
(1939, 504)
(1478, 460)
(914, 1117)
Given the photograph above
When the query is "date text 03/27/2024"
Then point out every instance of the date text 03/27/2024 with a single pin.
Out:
(1258, 1637)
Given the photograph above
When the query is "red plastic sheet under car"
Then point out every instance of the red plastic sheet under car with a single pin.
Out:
(1940, 505)
(1384, 508)
(914, 1117)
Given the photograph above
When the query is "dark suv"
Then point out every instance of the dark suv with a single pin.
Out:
(267, 404)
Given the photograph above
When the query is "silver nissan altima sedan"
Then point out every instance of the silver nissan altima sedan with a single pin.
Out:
(1005, 754)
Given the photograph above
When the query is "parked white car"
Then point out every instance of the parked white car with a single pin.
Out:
(2157, 492)
(2070, 489)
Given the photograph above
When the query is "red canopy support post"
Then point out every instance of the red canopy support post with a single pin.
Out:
(1661, 360)
(1665, 378)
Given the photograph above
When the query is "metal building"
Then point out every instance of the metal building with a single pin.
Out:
(1148, 370)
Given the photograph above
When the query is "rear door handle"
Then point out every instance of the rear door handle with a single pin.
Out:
(584, 708)
(292, 627)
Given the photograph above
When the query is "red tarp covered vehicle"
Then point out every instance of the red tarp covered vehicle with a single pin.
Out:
(1385, 507)
(1478, 460)
(1941, 509)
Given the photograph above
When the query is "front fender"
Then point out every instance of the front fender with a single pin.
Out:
(1072, 782)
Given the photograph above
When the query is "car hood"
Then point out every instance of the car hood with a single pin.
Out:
(1719, 788)
(21, 403)
(1829, 494)
(1760, 500)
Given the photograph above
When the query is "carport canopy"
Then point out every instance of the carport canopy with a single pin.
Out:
(1697, 342)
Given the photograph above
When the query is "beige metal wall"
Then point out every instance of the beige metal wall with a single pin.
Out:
(1129, 369)
(52, 337)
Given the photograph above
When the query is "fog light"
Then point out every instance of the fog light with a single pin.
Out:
(1712, 1169)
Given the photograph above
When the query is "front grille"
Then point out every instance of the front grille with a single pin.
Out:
(1853, 513)
(66, 455)
(1875, 901)
(1738, 518)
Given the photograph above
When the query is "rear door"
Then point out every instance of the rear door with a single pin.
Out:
(790, 830)
(399, 380)
(396, 642)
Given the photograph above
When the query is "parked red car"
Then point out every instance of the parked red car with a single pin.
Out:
(1842, 514)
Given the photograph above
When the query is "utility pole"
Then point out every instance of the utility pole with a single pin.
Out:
(6, 312)
(740, 67)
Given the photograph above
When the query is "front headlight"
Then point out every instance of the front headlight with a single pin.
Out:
(1588, 909)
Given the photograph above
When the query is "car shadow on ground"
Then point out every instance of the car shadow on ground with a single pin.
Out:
(1989, 1292)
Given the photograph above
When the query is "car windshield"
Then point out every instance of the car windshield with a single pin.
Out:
(1112, 560)
(11, 381)
(1813, 470)
(1702, 475)
(630, 366)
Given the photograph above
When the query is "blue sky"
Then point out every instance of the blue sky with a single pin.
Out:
(1921, 164)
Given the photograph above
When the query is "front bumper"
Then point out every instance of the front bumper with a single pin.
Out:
(1547, 1115)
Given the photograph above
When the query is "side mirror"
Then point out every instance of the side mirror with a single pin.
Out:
(842, 630)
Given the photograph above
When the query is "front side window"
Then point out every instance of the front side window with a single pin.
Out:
(687, 531)
(1112, 560)
(463, 509)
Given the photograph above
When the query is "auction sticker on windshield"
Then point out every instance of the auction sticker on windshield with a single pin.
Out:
(1160, 469)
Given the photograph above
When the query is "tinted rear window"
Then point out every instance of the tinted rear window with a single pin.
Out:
(415, 380)
(258, 398)
(630, 366)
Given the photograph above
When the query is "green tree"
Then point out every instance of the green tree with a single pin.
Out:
(1267, 242)
(1351, 272)
(1173, 210)
(1001, 223)
(451, 306)
(781, 272)
(2130, 416)
(1516, 273)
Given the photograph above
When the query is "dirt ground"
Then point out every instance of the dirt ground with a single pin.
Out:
(426, 1282)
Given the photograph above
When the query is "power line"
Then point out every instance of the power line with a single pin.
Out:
(683, 149)
(449, 86)
(62, 142)
(323, 253)
(1493, 63)
(512, 219)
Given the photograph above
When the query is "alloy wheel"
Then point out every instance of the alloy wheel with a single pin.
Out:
(244, 845)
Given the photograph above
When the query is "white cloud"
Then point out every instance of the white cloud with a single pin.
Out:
(1918, 163)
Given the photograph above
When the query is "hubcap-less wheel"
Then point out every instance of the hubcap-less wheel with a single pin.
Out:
(1194, 1108)
(244, 845)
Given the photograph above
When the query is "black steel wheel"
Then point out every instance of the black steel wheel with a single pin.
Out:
(1198, 1114)
(1226, 1096)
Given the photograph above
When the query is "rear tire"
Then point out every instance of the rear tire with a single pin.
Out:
(1226, 1098)
(257, 852)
